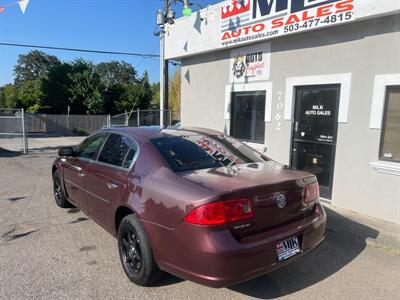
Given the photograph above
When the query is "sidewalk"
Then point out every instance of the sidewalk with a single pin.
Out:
(386, 238)
(52, 143)
(40, 143)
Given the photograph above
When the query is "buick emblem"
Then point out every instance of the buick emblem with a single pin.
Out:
(280, 200)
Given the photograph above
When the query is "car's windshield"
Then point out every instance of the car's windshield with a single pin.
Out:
(195, 152)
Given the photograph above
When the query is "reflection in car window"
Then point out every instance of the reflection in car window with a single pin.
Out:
(89, 147)
(184, 153)
(118, 150)
(129, 157)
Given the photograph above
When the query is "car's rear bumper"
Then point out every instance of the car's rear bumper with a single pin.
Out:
(215, 258)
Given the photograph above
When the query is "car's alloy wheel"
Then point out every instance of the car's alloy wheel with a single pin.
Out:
(57, 190)
(136, 253)
(131, 251)
(59, 195)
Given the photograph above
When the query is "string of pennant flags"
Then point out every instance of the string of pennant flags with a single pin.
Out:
(23, 4)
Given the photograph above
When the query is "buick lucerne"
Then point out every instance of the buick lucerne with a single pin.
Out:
(192, 202)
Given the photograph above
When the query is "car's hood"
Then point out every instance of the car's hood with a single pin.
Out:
(230, 179)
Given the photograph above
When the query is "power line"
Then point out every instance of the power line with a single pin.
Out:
(143, 55)
(144, 58)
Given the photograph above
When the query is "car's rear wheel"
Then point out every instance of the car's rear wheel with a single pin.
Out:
(136, 254)
(59, 195)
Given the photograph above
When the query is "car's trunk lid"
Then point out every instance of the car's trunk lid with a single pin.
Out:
(275, 190)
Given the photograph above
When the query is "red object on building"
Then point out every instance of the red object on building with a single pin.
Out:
(237, 7)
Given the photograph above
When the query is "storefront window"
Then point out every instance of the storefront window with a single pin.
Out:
(390, 141)
(248, 115)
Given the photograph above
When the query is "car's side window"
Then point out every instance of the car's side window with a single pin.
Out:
(118, 151)
(130, 155)
(89, 148)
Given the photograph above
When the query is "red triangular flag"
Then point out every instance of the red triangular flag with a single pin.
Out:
(2, 9)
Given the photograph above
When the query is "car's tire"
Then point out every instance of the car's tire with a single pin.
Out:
(59, 194)
(135, 252)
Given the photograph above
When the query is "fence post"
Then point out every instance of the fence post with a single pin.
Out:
(108, 121)
(170, 117)
(126, 118)
(138, 117)
(45, 123)
(23, 130)
(68, 124)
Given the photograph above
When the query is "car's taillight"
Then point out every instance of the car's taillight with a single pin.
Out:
(221, 212)
(311, 192)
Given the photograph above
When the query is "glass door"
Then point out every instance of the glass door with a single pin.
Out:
(314, 133)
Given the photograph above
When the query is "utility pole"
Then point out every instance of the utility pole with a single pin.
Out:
(162, 19)
(163, 69)
(166, 15)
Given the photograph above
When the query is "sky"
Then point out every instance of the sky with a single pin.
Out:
(111, 25)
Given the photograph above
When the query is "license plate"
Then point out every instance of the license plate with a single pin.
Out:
(288, 248)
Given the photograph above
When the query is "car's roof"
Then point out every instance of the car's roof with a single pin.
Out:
(152, 132)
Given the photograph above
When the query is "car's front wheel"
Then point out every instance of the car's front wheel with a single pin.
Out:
(136, 254)
(59, 195)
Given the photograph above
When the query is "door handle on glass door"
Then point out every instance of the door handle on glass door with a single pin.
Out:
(112, 186)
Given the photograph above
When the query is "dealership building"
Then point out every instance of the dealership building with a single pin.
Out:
(315, 84)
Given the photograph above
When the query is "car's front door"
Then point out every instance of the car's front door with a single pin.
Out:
(75, 169)
(107, 178)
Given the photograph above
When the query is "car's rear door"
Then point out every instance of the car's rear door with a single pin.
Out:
(107, 178)
(75, 169)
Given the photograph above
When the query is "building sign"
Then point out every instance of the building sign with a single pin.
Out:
(250, 20)
(250, 64)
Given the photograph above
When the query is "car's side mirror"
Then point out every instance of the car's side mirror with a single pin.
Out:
(66, 151)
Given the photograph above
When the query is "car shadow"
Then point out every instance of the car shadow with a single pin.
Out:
(166, 280)
(345, 240)
(8, 153)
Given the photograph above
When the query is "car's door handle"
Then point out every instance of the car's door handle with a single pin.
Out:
(136, 179)
(111, 185)
(77, 168)
(81, 174)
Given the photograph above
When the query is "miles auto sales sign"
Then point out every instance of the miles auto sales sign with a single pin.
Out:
(250, 20)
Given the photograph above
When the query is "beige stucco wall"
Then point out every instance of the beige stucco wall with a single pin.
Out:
(363, 49)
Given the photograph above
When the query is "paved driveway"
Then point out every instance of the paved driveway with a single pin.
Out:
(51, 253)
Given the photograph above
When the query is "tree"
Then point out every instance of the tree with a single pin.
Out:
(56, 89)
(117, 79)
(116, 72)
(146, 94)
(174, 101)
(86, 88)
(135, 96)
(8, 96)
(33, 66)
(42, 82)
(30, 96)
(155, 94)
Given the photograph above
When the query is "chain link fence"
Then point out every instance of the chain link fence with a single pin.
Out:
(13, 136)
(144, 117)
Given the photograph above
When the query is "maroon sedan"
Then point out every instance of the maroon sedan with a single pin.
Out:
(192, 202)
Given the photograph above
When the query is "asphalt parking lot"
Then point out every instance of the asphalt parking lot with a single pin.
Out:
(50, 253)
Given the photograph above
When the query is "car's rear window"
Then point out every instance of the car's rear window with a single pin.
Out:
(195, 152)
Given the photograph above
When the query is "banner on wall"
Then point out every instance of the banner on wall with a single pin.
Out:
(250, 64)
(244, 21)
